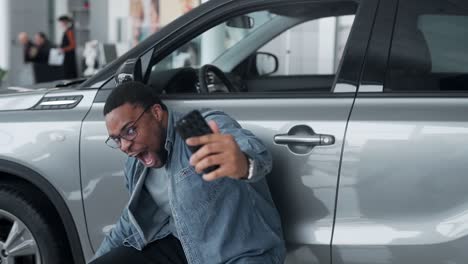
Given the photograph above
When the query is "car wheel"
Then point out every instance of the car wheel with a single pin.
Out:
(25, 236)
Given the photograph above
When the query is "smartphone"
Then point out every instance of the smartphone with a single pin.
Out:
(194, 125)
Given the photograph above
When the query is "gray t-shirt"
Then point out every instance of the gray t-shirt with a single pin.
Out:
(157, 183)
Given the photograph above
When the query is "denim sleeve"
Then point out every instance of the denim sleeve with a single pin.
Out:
(247, 141)
(121, 230)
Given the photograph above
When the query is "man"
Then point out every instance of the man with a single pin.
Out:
(37, 51)
(175, 213)
(26, 73)
(68, 47)
(29, 50)
(43, 48)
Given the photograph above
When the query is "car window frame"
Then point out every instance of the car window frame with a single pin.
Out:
(312, 94)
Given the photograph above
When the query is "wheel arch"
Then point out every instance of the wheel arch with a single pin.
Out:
(14, 172)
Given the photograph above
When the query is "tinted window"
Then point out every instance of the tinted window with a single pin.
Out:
(429, 51)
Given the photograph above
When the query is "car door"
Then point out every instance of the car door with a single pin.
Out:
(303, 129)
(402, 193)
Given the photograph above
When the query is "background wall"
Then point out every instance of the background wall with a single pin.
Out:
(117, 23)
(98, 24)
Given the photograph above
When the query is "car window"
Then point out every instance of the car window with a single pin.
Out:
(254, 48)
(313, 47)
(429, 51)
(211, 44)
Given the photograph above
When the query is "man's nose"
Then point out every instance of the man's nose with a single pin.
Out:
(125, 145)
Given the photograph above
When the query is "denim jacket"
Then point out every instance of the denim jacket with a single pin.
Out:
(222, 221)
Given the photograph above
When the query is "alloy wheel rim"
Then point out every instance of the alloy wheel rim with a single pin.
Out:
(16, 240)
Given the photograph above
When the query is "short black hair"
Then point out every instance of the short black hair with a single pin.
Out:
(42, 35)
(65, 18)
(134, 93)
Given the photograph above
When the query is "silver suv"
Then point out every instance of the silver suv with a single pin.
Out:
(362, 103)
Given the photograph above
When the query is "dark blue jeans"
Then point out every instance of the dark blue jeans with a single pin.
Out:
(164, 251)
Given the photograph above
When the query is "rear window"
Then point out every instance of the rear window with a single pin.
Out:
(447, 40)
(429, 50)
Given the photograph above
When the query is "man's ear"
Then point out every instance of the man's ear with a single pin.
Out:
(156, 111)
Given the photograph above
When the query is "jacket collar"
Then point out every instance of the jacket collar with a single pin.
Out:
(170, 131)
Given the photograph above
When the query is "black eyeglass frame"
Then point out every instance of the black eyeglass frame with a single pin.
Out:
(116, 142)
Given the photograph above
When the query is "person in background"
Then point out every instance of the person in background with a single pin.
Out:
(37, 51)
(26, 73)
(42, 46)
(36, 59)
(28, 46)
(68, 47)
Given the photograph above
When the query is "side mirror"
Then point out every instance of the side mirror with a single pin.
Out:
(136, 69)
(266, 63)
(245, 22)
(130, 70)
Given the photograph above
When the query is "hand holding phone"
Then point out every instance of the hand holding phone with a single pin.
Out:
(194, 125)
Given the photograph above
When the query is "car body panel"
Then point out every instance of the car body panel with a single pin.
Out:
(402, 195)
(20, 100)
(102, 177)
(43, 142)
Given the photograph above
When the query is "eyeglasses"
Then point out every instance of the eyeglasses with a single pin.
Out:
(128, 133)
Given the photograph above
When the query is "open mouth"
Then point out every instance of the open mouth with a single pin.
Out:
(145, 157)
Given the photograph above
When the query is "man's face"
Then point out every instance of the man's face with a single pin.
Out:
(150, 130)
(64, 25)
(38, 40)
(23, 38)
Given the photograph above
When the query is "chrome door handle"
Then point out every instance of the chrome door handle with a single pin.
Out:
(317, 139)
(302, 139)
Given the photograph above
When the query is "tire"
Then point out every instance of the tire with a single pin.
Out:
(34, 235)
